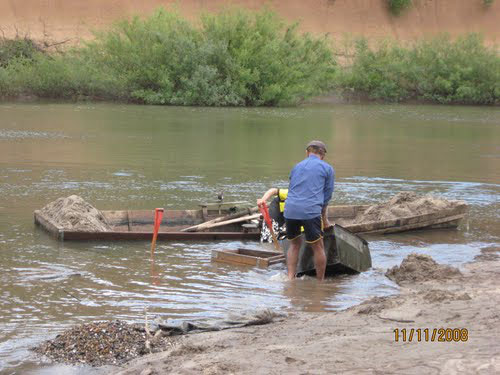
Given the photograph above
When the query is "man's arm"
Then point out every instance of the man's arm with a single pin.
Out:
(268, 194)
(328, 189)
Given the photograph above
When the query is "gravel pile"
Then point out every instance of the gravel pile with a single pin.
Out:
(102, 343)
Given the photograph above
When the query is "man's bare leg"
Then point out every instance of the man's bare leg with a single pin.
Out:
(318, 248)
(292, 257)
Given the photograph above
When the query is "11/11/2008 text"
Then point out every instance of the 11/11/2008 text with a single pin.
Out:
(432, 335)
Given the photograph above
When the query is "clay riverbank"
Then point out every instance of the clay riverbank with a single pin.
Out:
(360, 340)
(72, 20)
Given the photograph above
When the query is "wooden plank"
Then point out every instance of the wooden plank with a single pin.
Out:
(54, 230)
(116, 218)
(277, 259)
(222, 205)
(419, 225)
(162, 236)
(345, 212)
(259, 253)
(425, 219)
(248, 257)
(233, 221)
(446, 225)
(200, 227)
(235, 258)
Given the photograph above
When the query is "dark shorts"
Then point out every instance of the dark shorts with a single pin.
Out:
(313, 229)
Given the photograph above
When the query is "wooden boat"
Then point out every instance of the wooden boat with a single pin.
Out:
(444, 218)
(138, 224)
(345, 251)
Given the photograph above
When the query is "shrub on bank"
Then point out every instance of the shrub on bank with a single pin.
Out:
(398, 6)
(439, 70)
(234, 57)
(11, 49)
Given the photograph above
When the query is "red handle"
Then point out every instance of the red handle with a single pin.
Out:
(265, 214)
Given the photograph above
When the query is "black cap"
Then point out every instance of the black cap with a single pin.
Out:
(318, 144)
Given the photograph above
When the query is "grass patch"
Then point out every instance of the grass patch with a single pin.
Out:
(439, 70)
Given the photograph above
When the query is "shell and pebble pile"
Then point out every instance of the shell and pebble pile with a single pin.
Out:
(103, 343)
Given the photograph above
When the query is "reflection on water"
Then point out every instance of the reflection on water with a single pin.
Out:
(138, 157)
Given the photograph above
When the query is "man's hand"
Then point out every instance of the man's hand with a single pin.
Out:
(260, 202)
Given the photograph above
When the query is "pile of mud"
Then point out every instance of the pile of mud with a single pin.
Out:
(420, 267)
(102, 343)
(74, 213)
(436, 295)
(405, 204)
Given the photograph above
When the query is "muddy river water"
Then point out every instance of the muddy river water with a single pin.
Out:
(138, 157)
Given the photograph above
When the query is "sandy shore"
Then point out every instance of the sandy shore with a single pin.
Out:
(360, 340)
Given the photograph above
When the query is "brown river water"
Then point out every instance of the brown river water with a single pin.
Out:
(140, 157)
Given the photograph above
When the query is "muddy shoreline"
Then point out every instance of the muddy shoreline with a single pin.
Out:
(359, 340)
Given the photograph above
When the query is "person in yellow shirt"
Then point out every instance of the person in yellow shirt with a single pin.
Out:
(276, 210)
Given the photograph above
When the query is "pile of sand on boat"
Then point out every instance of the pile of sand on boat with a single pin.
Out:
(74, 213)
(405, 204)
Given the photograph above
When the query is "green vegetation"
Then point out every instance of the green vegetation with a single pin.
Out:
(11, 49)
(233, 58)
(488, 2)
(398, 6)
(438, 70)
(241, 58)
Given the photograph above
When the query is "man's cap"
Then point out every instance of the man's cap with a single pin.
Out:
(318, 144)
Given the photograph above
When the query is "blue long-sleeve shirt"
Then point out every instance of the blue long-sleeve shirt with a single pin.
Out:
(310, 189)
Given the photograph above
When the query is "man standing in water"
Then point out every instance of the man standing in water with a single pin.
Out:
(310, 190)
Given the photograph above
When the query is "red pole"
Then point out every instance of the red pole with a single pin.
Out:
(156, 227)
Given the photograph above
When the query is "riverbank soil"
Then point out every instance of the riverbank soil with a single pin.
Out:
(362, 339)
(71, 20)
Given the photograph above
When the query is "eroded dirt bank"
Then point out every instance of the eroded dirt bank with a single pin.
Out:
(71, 19)
(360, 340)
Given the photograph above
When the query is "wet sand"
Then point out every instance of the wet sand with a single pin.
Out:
(360, 340)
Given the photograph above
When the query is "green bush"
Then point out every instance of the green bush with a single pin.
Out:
(488, 2)
(241, 58)
(232, 58)
(438, 70)
(11, 49)
(398, 6)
